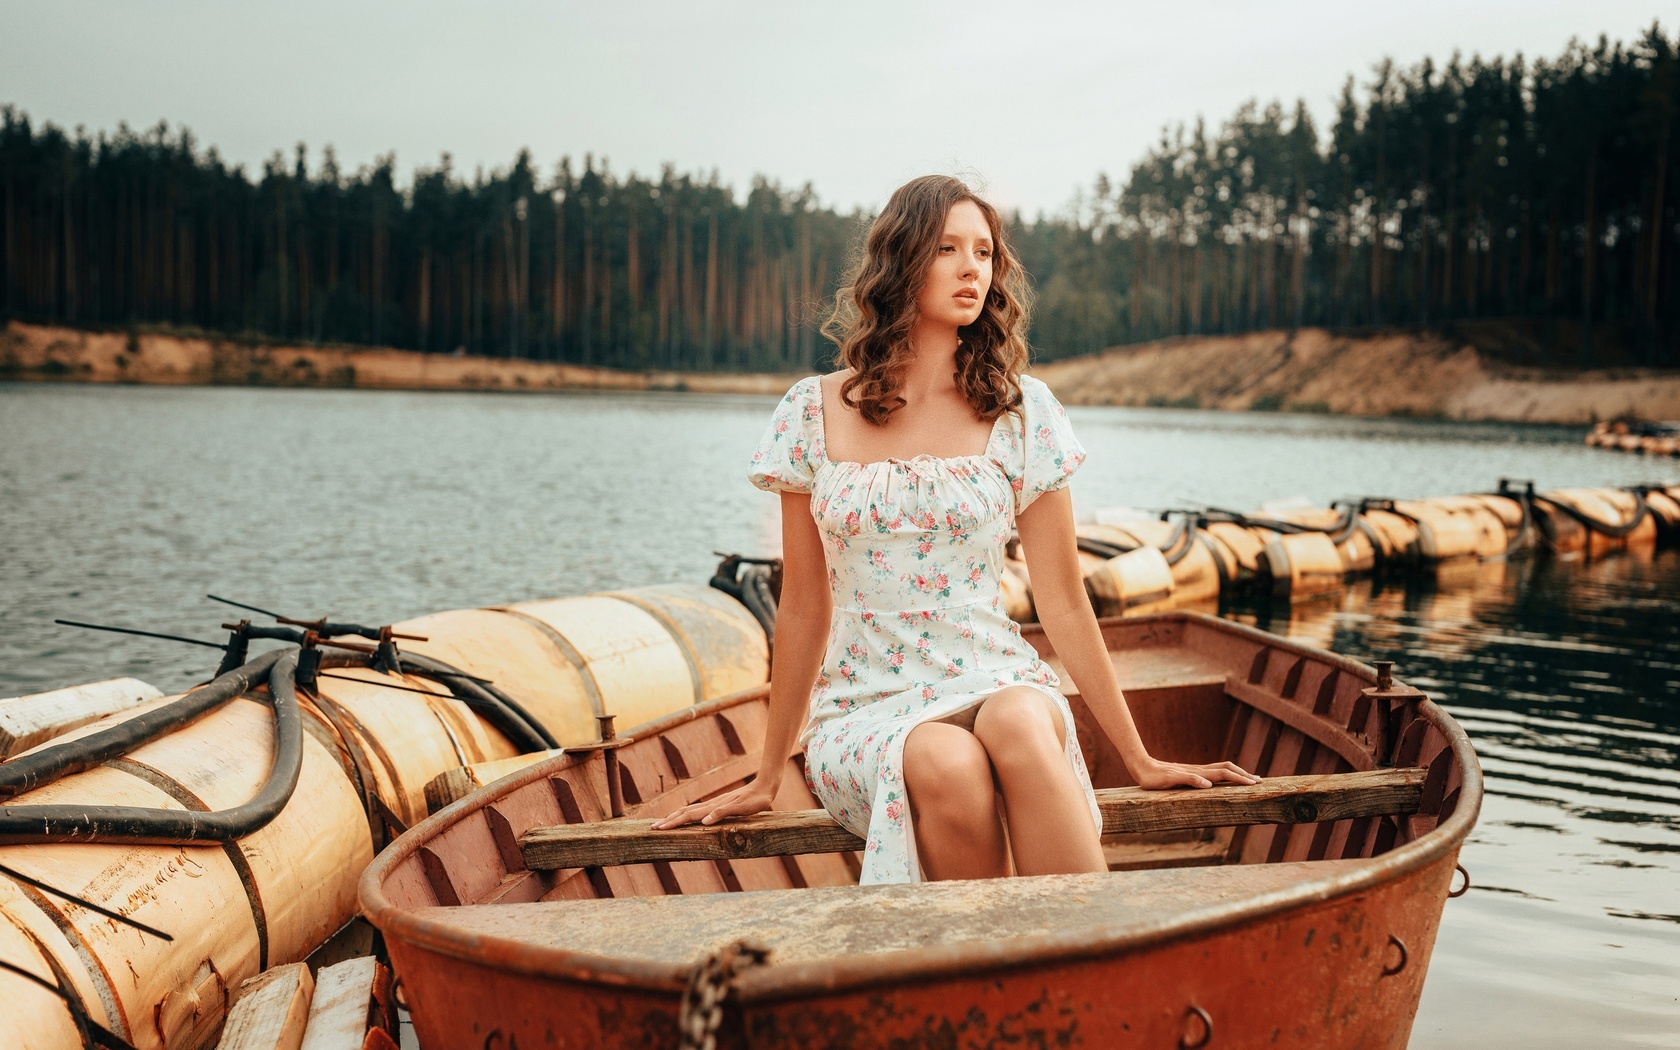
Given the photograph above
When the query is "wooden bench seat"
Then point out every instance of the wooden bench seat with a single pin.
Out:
(1279, 800)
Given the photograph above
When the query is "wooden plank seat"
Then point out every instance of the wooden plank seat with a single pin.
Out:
(1279, 800)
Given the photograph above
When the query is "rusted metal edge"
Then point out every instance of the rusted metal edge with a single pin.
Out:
(1440, 845)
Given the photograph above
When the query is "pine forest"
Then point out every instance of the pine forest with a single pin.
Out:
(1543, 192)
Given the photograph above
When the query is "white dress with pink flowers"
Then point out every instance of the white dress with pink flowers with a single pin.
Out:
(915, 554)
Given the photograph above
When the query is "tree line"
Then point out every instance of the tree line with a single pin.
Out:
(1493, 188)
(1543, 192)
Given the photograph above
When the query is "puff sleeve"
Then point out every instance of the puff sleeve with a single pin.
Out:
(1043, 452)
(787, 455)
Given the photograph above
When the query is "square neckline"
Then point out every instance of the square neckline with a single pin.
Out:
(822, 434)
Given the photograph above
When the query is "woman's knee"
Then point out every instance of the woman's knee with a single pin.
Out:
(1019, 724)
(945, 764)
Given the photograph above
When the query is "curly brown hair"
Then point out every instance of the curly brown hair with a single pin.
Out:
(875, 309)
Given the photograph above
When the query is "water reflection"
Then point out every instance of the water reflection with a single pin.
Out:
(126, 505)
(1566, 677)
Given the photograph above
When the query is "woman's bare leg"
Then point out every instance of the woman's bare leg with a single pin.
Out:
(1050, 827)
(953, 806)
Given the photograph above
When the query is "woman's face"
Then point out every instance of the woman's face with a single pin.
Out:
(957, 281)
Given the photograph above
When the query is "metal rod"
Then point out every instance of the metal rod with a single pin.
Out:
(143, 634)
(386, 685)
(91, 1031)
(89, 905)
(461, 674)
(615, 786)
(241, 605)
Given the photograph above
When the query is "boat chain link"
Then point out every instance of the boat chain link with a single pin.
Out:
(708, 986)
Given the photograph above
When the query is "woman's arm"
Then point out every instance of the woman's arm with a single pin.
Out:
(802, 621)
(1058, 589)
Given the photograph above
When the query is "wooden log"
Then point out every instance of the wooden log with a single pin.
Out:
(345, 1005)
(271, 1012)
(1280, 800)
(29, 720)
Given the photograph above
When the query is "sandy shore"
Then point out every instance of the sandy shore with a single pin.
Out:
(1311, 370)
(37, 352)
(1395, 374)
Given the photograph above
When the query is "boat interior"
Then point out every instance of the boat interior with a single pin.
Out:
(1356, 766)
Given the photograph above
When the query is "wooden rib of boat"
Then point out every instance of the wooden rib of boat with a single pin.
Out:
(1301, 912)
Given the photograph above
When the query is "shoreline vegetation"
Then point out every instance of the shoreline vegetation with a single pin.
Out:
(1428, 374)
(1530, 189)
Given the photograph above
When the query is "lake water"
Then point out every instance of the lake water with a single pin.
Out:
(126, 505)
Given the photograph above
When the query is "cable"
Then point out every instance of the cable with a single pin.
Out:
(39, 768)
(140, 824)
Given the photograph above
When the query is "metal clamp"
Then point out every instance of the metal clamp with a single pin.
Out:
(1197, 1013)
(1390, 971)
(608, 745)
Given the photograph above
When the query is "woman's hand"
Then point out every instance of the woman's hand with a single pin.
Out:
(1154, 774)
(744, 801)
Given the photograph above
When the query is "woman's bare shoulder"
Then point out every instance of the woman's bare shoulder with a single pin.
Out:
(831, 382)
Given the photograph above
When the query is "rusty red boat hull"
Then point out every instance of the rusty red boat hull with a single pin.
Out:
(1334, 955)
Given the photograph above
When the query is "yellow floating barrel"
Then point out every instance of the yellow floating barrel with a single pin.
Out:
(1358, 549)
(272, 896)
(401, 738)
(1603, 519)
(1395, 534)
(1302, 565)
(1182, 569)
(277, 894)
(1135, 581)
(1452, 527)
(1196, 571)
(636, 654)
(1665, 507)
(1238, 548)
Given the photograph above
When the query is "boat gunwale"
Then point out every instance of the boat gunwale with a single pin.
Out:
(918, 964)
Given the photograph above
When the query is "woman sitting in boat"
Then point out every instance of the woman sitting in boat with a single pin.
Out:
(901, 477)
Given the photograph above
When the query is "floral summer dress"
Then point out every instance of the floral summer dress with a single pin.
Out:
(915, 553)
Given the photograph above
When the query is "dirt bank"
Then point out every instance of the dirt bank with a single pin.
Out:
(37, 352)
(1313, 370)
(1390, 374)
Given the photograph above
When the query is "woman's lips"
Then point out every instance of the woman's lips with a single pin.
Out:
(968, 294)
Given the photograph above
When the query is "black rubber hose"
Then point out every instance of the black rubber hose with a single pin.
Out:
(1606, 528)
(1101, 548)
(73, 756)
(760, 600)
(1285, 527)
(1344, 529)
(1179, 542)
(143, 825)
(748, 581)
(1528, 535)
(498, 708)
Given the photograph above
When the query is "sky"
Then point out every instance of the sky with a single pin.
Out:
(1028, 101)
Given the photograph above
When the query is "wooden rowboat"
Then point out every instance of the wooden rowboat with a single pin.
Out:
(1298, 912)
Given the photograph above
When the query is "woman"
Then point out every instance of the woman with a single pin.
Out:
(901, 478)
